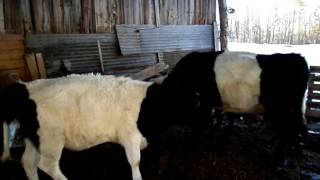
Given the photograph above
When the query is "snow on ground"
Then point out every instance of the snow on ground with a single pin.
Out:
(310, 51)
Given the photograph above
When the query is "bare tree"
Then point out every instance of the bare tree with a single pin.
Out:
(295, 26)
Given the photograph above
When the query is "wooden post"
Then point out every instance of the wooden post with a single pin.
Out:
(223, 24)
(32, 66)
(215, 37)
(41, 66)
(100, 57)
(2, 30)
(157, 16)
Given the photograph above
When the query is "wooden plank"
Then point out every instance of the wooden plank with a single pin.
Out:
(26, 15)
(150, 71)
(314, 96)
(2, 29)
(223, 24)
(47, 16)
(191, 12)
(41, 66)
(100, 57)
(313, 104)
(57, 6)
(149, 15)
(38, 16)
(172, 9)
(11, 57)
(157, 12)
(108, 14)
(135, 39)
(32, 66)
(211, 14)
(314, 87)
(312, 113)
(315, 69)
(10, 37)
(67, 13)
(11, 45)
(314, 77)
(157, 16)
(76, 15)
(86, 15)
(11, 64)
(13, 17)
(12, 51)
(216, 38)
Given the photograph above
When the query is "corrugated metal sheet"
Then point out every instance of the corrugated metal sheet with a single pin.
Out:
(80, 54)
(137, 39)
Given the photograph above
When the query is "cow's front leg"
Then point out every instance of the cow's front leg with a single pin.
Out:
(132, 145)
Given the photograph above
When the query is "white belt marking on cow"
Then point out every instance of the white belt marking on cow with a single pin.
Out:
(238, 81)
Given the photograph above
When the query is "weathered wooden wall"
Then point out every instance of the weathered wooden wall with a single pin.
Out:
(12, 64)
(91, 16)
(63, 20)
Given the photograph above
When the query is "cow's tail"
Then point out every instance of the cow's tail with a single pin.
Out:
(9, 103)
(6, 148)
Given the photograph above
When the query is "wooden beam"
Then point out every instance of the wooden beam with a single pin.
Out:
(32, 66)
(315, 69)
(40, 65)
(216, 37)
(223, 24)
(150, 71)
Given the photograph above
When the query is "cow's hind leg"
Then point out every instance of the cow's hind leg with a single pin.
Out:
(132, 145)
(30, 160)
(51, 150)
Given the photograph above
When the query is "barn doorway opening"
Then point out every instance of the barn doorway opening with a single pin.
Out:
(275, 26)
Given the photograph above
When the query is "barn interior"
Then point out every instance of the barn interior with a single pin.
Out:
(143, 39)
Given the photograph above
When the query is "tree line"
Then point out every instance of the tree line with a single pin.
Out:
(297, 26)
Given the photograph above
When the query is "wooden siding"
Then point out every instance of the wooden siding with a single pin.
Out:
(12, 64)
(71, 17)
(91, 16)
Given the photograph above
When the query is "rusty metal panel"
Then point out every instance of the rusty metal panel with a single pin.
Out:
(79, 53)
(138, 39)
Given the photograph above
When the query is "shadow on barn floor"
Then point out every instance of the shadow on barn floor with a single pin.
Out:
(242, 152)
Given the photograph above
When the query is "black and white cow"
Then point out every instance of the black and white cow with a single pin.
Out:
(241, 82)
(80, 111)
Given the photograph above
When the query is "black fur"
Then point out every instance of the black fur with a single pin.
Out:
(185, 97)
(284, 80)
(16, 104)
(165, 106)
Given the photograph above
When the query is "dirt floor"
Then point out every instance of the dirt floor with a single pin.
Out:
(240, 152)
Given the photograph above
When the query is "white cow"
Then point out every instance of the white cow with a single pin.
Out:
(75, 112)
